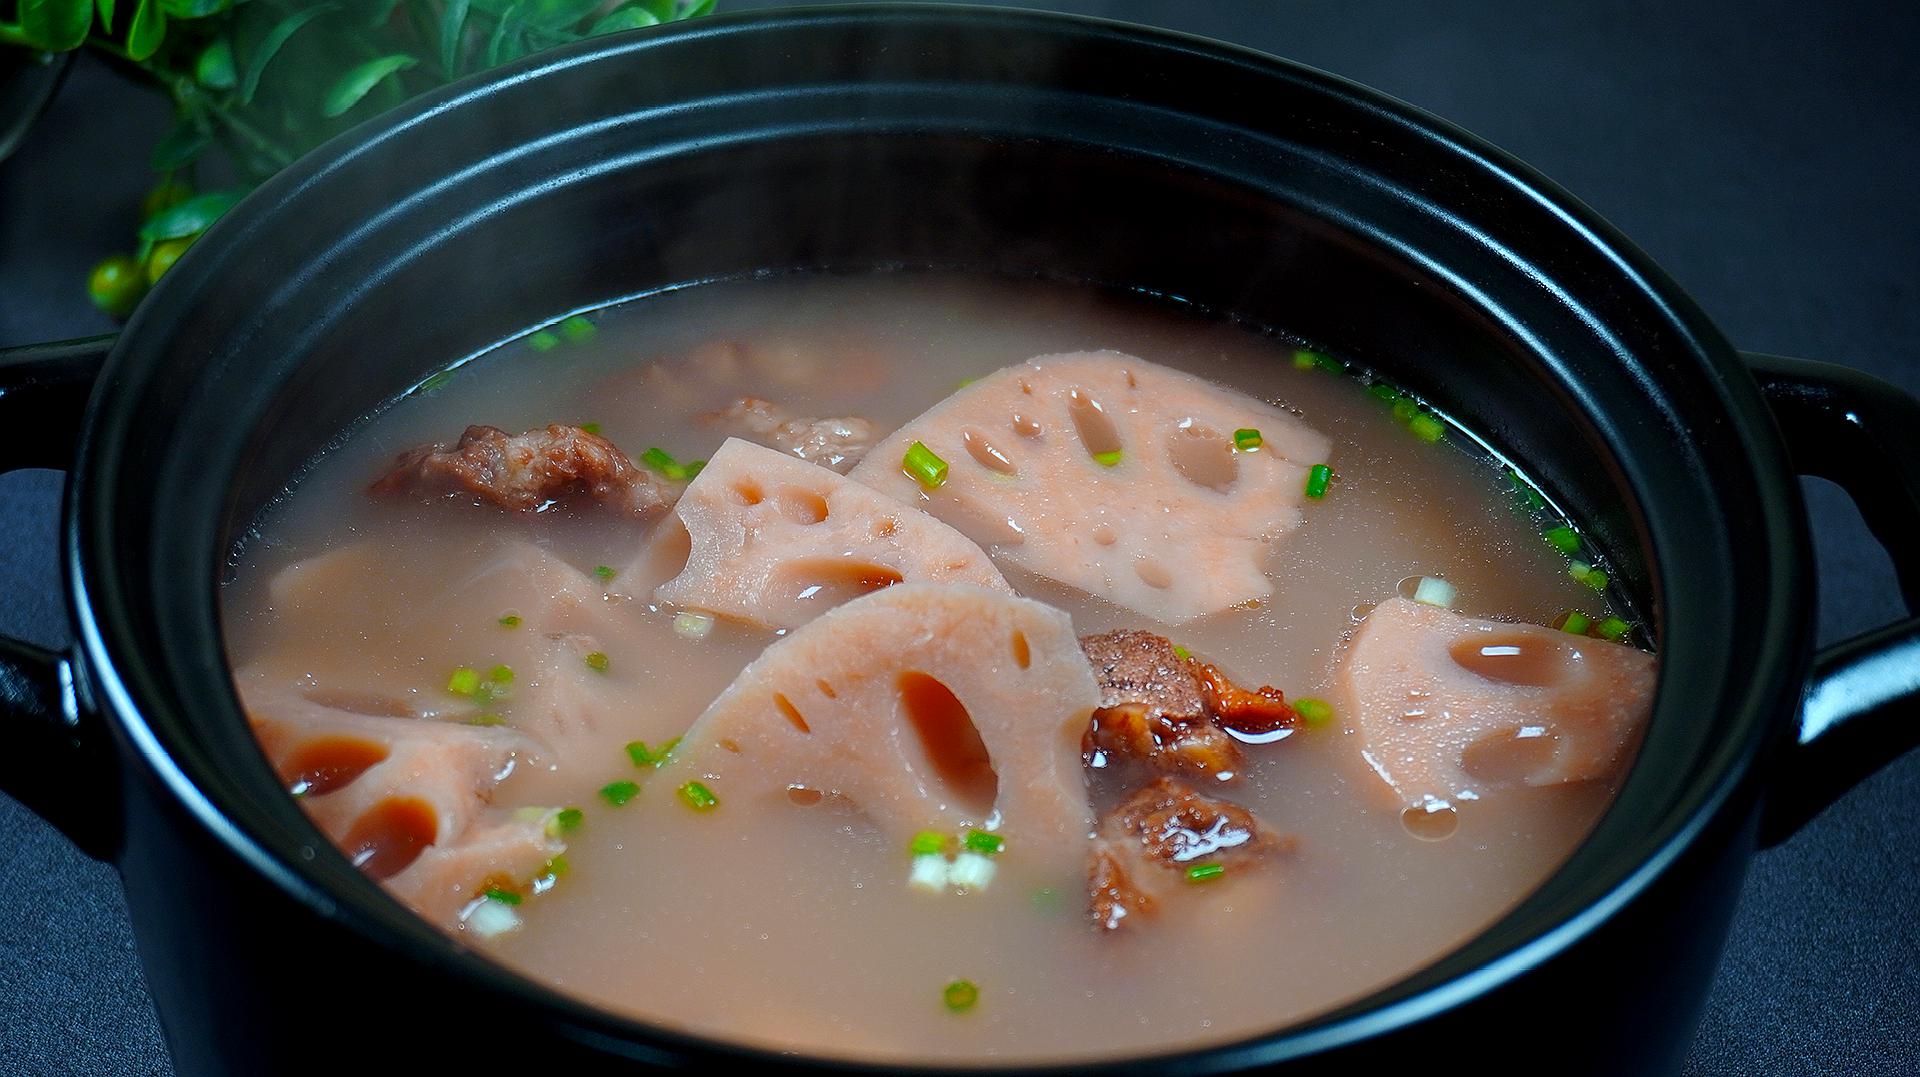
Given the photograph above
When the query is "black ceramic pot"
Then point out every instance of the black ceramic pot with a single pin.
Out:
(1008, 143)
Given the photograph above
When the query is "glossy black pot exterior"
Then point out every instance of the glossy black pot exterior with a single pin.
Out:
(1010, 143)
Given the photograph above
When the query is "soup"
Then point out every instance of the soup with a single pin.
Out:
(939, 669)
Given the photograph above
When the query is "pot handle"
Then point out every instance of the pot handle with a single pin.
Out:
(56, 761)
(1862, 704)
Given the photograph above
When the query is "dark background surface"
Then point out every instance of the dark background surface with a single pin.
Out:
(1766, 154)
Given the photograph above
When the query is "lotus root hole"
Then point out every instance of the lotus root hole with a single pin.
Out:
(953, 748)
(984, 453)
(1097, 433)
(1512, 658)
(802, 506)
(391, 835)
(1153, 574)
(791, 713)
(320, 766)
(1203, 456)
(1510, 756)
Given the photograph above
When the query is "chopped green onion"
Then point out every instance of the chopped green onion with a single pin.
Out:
(1307, 359)
(511, 620)
(543, 341)
(980, 841)
(1434, 591)
(436, 381)
(1182, 653)
(1200, 873)
(693, 625)
(1529, 497)
(549, 876)
(501, 674)
(960, 995)
(923, 466)
(1110, 458)
(598, 662)
(928, 842)
(697, 796)
(1246, 439)
(591, 428)
(578, 328)
(566, 819)
(1563, 538)
(1318, 476)
(465, 681)
(693, 468)
(971, 871)
(618, 793)
(1313, 711)
(964, 382)
(929, 873)
(662, 461)
(489, 918)
(1380, 390)
(1573, 622)
(1613, 629)
(504, 897)
(1426, 428)
(1404, 410)
(644, 756)
(486, 719)
(1588, 575)
(605, 572)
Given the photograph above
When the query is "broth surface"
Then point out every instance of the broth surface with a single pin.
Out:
(795, 930)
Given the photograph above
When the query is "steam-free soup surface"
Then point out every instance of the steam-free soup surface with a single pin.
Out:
(795, 929)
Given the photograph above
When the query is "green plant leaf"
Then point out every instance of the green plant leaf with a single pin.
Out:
(179, 146)
(453, 29)
(189, 218)
(214, 68)
(349, 88)
(626, 18)
(147, 30)
(661, 10)
(382, 11)
(194, 9)
(497, 41)
(270, 44)
(106, 15)
(551, 15)
(696, 9)
(56, 25)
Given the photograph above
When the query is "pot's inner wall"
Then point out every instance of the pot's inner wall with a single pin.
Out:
(860, 202)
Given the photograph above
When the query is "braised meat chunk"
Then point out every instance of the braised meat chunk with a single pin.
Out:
(1240, 709)
(1152, 709)
(1169, 711)
(1150, 841)
(528, 472)
(837, 443)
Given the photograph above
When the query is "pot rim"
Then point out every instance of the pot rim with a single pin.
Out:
(109, 649)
